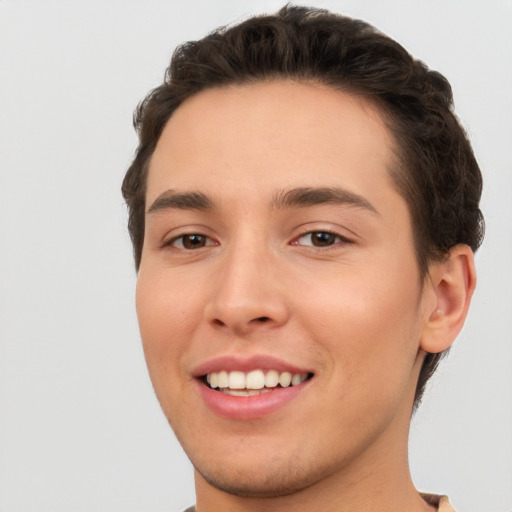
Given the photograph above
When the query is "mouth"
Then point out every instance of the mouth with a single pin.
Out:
(249, 388)
(253, 383)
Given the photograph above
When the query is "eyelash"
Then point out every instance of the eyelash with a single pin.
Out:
(172, 241)
(338, 239)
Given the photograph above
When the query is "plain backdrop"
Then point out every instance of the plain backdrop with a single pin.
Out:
(80, 428)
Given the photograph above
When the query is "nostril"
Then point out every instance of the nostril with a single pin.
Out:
(241, 323)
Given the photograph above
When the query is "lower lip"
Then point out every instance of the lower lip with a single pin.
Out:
(249, 407)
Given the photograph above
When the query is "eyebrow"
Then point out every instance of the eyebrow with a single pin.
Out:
(312, 196)
(301, 197)
(181, 201)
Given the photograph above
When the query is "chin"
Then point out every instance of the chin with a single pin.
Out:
(262, 486)
(262, 479)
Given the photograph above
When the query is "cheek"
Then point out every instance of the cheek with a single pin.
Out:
(165, 306)
(165, 322)
(367, 323)
(167, 318)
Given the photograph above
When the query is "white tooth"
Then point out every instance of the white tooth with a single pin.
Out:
(208, 378)
(255, 380)
(236, 380)
(296, 379)
(271, 379)
(223, 379)
(285, 379)
(234, 392)
(214, 380)
(244, 392)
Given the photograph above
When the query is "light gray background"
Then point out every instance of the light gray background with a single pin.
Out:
(80, 429)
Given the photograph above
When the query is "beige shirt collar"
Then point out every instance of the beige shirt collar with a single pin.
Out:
(441, 502)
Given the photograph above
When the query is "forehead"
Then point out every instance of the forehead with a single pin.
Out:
(268, 134)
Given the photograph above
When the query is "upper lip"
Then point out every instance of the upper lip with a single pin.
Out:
(246, 364)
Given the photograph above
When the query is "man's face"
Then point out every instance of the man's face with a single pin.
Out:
(277, 247)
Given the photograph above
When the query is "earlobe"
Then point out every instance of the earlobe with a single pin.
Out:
(452, 282)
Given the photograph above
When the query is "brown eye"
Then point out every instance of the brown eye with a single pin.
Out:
(320, 239)
(190, 242)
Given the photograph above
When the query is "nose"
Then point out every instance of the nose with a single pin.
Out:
(248, 294)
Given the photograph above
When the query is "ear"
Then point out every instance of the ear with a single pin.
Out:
(451, 284)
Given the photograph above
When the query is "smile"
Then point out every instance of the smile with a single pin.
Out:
(250, 387)
(255, 382)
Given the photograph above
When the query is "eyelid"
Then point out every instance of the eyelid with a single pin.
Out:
(169, 241)
(343, 239)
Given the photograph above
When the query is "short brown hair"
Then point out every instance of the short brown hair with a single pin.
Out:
(438, 174)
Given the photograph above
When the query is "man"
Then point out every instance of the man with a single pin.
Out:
(304, 211)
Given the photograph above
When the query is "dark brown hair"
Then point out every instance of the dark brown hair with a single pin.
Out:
(437, 172)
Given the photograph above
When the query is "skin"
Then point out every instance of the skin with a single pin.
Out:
(354, 312)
